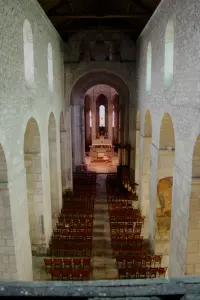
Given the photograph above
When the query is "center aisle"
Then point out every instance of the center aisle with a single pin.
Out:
(103, 265)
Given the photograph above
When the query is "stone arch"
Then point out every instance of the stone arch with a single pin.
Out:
(165, 171)
(53, 166)
(148, 68)
(146, 141)
(79, 88)
(169, 54)
(193, 238)
(28, 52)
(63, 150)
(32, 161)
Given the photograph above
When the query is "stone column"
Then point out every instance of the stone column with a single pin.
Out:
(93, 109)
(144, 187)
(137, 156)
(63, 148)
(116, 123)
(87, 125)
(82, 129)
(122, 115)
(153, 195)
(68, 153)
(77, 153)
(110, 111)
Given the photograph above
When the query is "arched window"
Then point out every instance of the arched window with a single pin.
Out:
(169, 54)
(28, 52)
(50, 67)
(113, 117)
(148, 69)
(90, 116)
(102, 116)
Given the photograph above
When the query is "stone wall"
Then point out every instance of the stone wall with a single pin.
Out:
(20, 101)
(181, 101)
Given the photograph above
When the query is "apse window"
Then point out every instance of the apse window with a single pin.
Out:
(169, 54)
(113, 117)
(90, 116)
(50, 67)
(102, 116)
(148, 69)
(28, 52)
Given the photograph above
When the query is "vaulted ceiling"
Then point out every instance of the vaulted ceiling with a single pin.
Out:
(115, 16)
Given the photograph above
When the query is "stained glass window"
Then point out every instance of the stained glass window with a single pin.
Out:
(90, 116)
(113, 117)
(102, 116)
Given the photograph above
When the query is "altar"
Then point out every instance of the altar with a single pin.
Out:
(101, 148)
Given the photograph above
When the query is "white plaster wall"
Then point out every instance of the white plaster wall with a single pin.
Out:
(20, 102)
(181, 101)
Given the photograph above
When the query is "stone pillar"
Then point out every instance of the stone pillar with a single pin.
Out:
(68, 155)
(137, 156)
(116, 123)
(110, 112)
(77, 144)
(82, 129)
(35, 200)
(122, 115)
(87, 126)
(63, 148)
(145, 174)
(93, 119)
(153, 195)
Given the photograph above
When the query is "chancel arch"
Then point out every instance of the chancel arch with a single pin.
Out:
(34, 183)
(78, 95)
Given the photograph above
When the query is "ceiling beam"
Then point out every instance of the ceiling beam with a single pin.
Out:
(132, 16)
(98, 30)
(143, 6)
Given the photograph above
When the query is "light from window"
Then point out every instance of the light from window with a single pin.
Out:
(113, 117)
(50, 67)
(90, 116)
(102, 116)
(148, 69)
(28, 52)
(169, 54)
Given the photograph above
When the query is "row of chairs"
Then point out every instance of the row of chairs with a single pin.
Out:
(70, 274)
(64, 263)
(145, 260)
(141, 273)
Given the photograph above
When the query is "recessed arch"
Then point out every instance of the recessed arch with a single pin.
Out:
(34, 183)
(53, 166)
(167, 139)
(169, 54)
(148, 68)
(28, 52)
(50, 66)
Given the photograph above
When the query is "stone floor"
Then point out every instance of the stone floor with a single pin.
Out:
(104, 266)
(102, 167)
